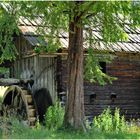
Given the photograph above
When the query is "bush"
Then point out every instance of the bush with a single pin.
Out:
(134, 126)
(55, 116)
(104, 121)
(107, 122)
(119, 122)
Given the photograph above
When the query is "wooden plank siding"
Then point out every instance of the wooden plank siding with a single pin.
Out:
(45, 73)
(51, 73)
(42, 69)
(127, 88)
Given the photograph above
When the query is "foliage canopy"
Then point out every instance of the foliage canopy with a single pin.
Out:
(107, 17)
(8, 28)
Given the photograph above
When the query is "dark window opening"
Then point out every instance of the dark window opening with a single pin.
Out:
(92, 97)
(103, 66)
(113, 96)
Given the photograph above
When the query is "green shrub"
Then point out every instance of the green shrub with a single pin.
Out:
(18, 130)
(55, 116)
(104, 121)
(38, 125)
(134, 126)
(107, 122)
(119, 122)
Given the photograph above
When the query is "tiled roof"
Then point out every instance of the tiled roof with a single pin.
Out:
(132, 45)
(29, 30)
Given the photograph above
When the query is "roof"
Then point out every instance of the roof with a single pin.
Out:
(132, 45)
(29, 29)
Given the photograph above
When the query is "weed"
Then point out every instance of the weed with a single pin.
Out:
(108, 122)
(104, 121)
(134, 126)
(11, 128)
(55, 116)
(20, 131)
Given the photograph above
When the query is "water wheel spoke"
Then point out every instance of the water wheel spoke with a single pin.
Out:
(20, 103)
(22, 108)
(13, 92)
(15, 101)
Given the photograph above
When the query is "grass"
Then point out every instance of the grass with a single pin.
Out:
(69, 134)
(10, 128)
(19, 131)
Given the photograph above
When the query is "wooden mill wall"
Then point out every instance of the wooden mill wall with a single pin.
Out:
(41, 69)
(126, 88)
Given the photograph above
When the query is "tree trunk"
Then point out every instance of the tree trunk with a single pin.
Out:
(74, 115)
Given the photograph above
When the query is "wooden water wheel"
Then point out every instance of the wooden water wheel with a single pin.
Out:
(18, 101)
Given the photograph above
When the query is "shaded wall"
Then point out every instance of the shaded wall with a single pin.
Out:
(124, 93)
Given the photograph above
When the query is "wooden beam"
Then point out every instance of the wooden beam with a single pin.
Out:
(12, 81)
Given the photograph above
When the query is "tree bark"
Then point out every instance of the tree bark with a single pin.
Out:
(74, 115)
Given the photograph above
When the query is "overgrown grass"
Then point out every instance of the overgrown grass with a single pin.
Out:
(19, 132)
(109, 122)
(10, 128)
(55, 116)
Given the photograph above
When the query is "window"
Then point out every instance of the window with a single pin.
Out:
(103, 66)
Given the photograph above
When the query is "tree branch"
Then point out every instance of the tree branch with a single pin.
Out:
(85, 11)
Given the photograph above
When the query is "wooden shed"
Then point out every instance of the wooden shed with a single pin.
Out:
(123, 93)
(41, 68)
(50, 70)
